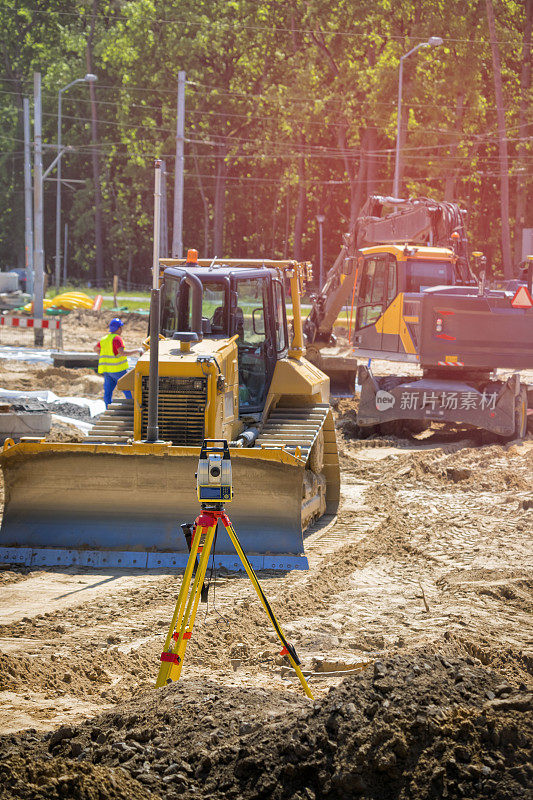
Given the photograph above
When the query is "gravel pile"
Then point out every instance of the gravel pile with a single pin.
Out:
(414, 726)
(72, 410)
(65, 409)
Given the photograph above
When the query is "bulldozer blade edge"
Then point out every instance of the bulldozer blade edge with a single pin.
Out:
(117, 507)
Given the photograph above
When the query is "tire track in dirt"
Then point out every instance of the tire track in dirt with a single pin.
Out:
(410, 531)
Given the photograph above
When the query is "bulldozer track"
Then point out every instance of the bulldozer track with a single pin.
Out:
(115, 426)
(291, 427)
(336, 535)
(294, 427)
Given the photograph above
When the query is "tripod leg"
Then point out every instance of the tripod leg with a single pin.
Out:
(184, 590)
(288, 649)
(186, 528)
(186, 606)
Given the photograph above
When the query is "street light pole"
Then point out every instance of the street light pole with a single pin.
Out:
(38, 232)
(28, 211)
(177, 227)
(433, 41)
(89, 78)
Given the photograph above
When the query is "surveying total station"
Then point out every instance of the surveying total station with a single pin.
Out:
(213, 479)
(214, 488)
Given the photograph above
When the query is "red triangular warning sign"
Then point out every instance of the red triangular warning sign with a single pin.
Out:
(522, 299)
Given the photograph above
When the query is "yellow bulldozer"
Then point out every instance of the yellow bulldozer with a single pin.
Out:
(228, 368)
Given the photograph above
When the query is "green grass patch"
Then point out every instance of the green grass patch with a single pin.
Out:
(126, 301)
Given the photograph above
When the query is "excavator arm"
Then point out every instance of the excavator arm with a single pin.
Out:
(417, 220)
(414, 221)
(336, 292)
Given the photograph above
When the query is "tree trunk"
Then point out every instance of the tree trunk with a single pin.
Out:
(275, 214)
(371, 162)
(357, 194)
(349, 170)
(451, 174)
(502, 146)
(287, 219)
(300, 207)
(204, 203)
(521, 181)
(364, 184)
(98, 225)
(130, 269)
(404, 125)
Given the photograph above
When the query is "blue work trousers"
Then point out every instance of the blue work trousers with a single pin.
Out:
(110, 381)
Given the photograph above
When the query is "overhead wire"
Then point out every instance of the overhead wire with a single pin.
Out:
(306, 149)
(262, 28)
(266, 98)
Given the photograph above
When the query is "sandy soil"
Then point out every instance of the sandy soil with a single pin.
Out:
(82, 329)
(413, 625)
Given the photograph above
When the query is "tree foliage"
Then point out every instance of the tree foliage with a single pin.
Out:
(290, 112)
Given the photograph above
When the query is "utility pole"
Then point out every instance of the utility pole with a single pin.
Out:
(65, 255)
(58, 195)
(98, 223)
(89, 78)
(433, 41)
(502, 145)
(152, 429)
(177, 231)
(38, 253)
(28, 214)
(163, 243)
(320, 218)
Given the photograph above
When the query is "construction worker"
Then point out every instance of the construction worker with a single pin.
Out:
(113, 363)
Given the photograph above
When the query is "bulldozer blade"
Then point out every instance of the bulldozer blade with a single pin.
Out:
(123, 505)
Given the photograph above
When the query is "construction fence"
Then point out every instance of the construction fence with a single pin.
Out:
(31, 332)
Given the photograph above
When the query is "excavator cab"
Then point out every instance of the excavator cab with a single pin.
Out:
(386, 315)
(395, 249)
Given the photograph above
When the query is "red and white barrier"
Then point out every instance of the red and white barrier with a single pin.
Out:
(30, 322)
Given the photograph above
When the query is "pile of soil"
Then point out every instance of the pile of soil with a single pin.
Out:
(22, 376)
(416, 725)
(492, 467)
(52, 779)
(82, 328)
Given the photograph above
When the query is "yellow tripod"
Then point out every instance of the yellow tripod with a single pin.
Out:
(185, 612)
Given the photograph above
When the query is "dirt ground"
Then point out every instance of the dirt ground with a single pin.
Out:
(413, 625)
(82, 329)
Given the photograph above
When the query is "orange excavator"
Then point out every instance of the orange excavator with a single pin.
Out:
(406, 271)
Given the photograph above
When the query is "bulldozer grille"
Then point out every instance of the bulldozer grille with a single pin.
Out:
(181, 410)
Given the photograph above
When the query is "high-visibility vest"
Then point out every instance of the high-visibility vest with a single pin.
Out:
(108, 361)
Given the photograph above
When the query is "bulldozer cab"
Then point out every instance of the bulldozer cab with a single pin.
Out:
(248, 303)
